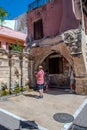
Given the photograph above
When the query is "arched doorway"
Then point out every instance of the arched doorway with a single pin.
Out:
(57, 60)
(58, 68)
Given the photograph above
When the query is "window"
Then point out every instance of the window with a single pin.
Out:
(56, 65)
(38, 29)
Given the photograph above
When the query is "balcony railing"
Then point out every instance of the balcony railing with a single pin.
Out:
(37, 3)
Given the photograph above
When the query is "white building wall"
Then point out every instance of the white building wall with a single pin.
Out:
(9, 23)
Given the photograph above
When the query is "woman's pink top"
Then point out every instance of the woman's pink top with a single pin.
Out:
(40, 77)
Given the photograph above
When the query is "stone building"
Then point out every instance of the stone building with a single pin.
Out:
(21, 23)
(55, 38)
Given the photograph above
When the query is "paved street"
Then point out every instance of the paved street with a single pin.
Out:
(42, 110)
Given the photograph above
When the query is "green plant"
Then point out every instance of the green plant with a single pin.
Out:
(3, 14)
(16, 46)
(17, 89)
(3, 86)
(3, 90)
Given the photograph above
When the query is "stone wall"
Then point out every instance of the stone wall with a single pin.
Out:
(21, 23)
(4, 69)
(13, 69)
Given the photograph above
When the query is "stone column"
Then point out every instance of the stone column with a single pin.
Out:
(21, 70)
(10, 72)
(31, 73)
(81, 75)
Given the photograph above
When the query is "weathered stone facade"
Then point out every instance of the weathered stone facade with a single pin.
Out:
(14, 68)
(21, 23)
(60, 43)
(42, 56)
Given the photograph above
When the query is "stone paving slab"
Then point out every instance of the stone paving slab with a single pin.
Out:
(42, 110)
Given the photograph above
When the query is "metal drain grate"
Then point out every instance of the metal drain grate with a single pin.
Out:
(63, 117)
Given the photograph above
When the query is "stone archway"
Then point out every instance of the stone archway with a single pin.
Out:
(41, 53)
(58, 68)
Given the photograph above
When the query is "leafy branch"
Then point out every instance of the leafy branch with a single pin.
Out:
(16, 46)
(3, 14)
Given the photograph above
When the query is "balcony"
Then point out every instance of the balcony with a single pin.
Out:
(36, 4)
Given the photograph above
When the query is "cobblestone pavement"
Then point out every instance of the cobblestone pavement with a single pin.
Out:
(42, 110)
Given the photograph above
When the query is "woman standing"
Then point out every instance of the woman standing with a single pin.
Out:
(40, 81)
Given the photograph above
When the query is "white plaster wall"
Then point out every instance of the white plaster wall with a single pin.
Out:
(9, 23)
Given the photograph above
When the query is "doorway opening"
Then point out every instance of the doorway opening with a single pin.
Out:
(58, 69)
(56, 65)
